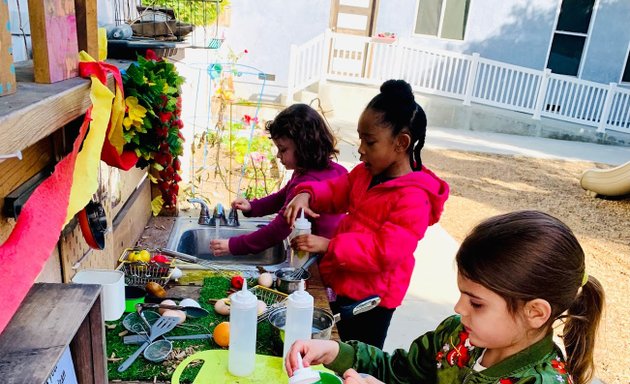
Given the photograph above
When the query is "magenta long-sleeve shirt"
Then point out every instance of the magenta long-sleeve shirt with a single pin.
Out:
(278, 229)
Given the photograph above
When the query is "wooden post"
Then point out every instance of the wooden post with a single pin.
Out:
(7, 69)
(54, 38)
(87, 26)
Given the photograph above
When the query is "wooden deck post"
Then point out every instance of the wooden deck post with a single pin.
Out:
(54, 38)
(7, 69)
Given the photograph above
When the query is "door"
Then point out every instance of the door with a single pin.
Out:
(354, 18)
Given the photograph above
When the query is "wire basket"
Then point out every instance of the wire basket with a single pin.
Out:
(268, 295)
(271, 297)
(138, 273)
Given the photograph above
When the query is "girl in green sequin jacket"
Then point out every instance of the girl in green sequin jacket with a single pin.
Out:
(517, 273)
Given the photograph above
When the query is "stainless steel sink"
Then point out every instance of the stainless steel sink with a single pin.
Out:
(194, 239)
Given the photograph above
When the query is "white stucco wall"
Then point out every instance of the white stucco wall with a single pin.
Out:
(268, 28)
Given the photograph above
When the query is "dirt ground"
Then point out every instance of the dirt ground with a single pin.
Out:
(484, 185)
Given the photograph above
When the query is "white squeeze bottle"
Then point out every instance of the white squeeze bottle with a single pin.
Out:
(243, 325)
(299, 321)
(302, 227)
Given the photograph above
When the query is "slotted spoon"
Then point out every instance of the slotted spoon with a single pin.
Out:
(163, 325)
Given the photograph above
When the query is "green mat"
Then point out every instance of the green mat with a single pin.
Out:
(213, 288)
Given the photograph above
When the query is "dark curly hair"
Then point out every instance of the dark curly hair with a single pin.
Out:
(314, 142)
(399, 111)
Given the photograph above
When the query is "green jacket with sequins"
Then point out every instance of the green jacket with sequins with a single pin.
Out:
(445, 356)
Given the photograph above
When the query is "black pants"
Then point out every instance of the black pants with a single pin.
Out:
(369, 327)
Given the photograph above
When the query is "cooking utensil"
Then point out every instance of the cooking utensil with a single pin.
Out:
(158, 350)
(347, 311)
(139, 339)
(93, 223)
(222, 270)
(192, 312)
(160, 327)
(286, 284)
(323, 320)
(300, 272)
(134, 323)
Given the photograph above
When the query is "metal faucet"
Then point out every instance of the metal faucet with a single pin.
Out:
(217, 214)
(231, 220)
(204, 215)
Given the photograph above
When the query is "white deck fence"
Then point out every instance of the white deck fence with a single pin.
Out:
(470, 78)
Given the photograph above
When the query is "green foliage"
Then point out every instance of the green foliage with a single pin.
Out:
(157, 139)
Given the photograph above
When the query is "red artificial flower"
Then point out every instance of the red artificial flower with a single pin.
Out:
(559, 366)
(150, 55)
(161, 131)
(246, 51)
(459, 355)
(506, 381)
(165, 117)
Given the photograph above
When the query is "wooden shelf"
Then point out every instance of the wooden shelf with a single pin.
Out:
(51, 318)
(37, 110)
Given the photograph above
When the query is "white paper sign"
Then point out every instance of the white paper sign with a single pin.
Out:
(63, 373)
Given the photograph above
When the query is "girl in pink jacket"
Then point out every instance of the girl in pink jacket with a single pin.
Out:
(390, 200)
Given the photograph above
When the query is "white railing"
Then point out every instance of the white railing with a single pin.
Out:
(471, 78)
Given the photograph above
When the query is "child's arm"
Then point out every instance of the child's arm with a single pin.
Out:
(330, 196)
(418, 365)
(269, 204)
(385, 247)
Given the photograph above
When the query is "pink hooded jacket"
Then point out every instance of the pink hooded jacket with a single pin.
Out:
(372, 250)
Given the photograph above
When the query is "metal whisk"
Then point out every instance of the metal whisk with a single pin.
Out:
(299, 272)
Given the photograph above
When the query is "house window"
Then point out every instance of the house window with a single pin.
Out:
(625, 78)
(569, 38)
(442, 18)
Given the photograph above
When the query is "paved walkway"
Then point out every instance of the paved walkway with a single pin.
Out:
(433, 290)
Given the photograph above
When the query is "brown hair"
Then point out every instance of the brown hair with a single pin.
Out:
(545, 261)
(314, 142)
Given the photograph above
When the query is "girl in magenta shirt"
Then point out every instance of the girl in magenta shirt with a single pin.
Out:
(306, 145)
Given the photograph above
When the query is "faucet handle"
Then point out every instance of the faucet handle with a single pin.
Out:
(232, 219)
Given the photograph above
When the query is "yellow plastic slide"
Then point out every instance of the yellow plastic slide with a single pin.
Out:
(607, 182)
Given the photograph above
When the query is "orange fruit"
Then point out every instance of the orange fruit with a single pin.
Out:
(221, 334)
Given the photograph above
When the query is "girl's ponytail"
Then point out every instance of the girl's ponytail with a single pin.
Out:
(418, 131)
(580, 330)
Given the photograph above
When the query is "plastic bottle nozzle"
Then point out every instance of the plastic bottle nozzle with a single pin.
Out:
(301, 285)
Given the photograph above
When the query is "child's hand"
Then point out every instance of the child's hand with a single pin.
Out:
(220, 247)
(310, 243)
(313, 352)
(352, 377)
(298, 203)
(242, 204)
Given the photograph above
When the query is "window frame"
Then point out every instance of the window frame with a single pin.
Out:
(440, 23)
(587, 37)
(623, 68)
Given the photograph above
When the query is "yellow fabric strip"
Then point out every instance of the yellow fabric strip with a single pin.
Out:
(87, 165)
